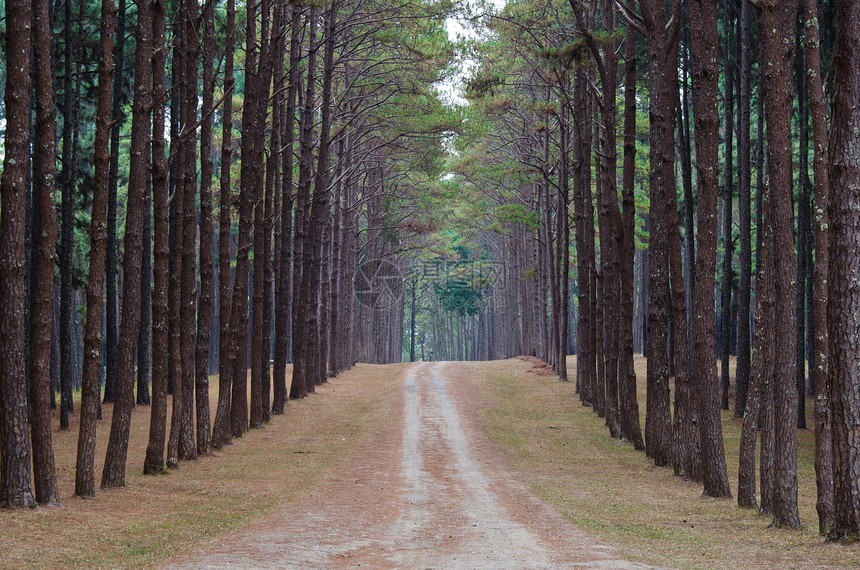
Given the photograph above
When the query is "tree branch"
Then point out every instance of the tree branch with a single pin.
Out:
(633, 19)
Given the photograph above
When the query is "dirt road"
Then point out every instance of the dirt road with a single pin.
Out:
(429, 491)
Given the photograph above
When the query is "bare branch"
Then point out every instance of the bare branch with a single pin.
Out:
(633, 19)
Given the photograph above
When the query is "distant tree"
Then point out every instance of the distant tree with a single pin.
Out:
(67, 183)
(744, 216)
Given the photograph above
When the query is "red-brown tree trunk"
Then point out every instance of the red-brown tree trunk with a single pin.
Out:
(703, 373)
(221, 433)
(301, 384)
(663, 59)
(630, 428)
(117, 451)
(844, 302)
(15, 450)
(44, 469)
(84, 476)
(821, 363)
(778, 50)
(204, 301)
(283, 286)
(187, 178)
(154, 461)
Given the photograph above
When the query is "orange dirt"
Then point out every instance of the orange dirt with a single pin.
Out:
(539, 367)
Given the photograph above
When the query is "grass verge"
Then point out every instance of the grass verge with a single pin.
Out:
(565, 455)
(156, 517)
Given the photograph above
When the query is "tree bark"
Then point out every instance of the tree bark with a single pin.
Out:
(821, 362)
(154, 462)
(663, 57)
(626, 372)
(844, 302)
(15, 450)
(301, 385)
(204, 301)
(283, 288)
(705, 49)
(117, 451)
(144, 360)
(84, 477)
(803, 224)
(221, 432)
(728, 197)
(778, 49)
(44, 469)
(67, 182)
(744, 218)
(117, 118)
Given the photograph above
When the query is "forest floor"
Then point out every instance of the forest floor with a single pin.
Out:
(433, 464)
(429, 491)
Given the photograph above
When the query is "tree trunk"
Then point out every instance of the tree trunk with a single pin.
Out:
(144, 360)
(320, 206)
(663, 58)
(117, 451)
(705, 49)
(744, 218)
(187, 177)
(563, 238)
(176, 190)
(778, 49)
(259, 99)
(728, 195)
(221, 432)
(15, 450)
(44, 469)
(301, 385)
(844, 267)
(803, 229)
(821, 362)
(84, 477)
(204, 302)
(117, 118)
(154, 461)
(283, 288)
(626, 373)
(67, 182)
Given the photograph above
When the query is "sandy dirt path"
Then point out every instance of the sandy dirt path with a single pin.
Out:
(430, 491)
